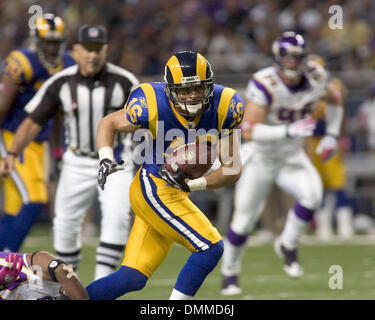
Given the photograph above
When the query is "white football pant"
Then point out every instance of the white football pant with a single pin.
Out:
(75, 194)
(295, 174)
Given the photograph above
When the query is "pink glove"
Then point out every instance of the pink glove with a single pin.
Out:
(301, 128)
(10, 272)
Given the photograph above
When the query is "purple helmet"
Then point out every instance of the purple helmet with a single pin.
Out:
(290, 44)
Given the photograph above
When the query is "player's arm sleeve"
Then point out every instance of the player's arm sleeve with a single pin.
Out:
(136, 109)
(45, 103)
(257, 92)
(11, 80)
(334, 111)
(234, 115)
(17, 68)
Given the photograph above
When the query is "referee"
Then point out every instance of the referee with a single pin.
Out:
(85, 93)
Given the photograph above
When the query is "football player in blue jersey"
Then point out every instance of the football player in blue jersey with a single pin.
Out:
(171, 111)
(25, 70)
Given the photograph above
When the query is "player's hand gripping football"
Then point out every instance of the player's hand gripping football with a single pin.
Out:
(327, 147)
(301, 128)
(176, 179)
(10, 272)
(108, 167)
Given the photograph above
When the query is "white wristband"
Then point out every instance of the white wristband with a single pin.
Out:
(197, 184)
(334, 117)
(106, 152)
(264, 132)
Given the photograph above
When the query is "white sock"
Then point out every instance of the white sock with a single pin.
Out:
(232, 258)
(107, 258)
(323, 217)
(293, 230)
(102, 271)
(344, 221)
(177, 295)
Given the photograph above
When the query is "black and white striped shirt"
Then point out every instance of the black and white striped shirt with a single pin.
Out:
(83, 100)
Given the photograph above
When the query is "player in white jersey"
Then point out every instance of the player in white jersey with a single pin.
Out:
(38, 276)
(280, 99)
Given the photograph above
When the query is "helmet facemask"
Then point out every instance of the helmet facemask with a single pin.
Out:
(295, 72)
(203, 89)
(290, 55)
(189, 83)
(48, 39)
(53, 59)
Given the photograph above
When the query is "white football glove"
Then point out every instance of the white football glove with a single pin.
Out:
(327, 147)
(301, 128)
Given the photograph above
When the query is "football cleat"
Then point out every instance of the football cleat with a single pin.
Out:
(230, 286)
(292, 267)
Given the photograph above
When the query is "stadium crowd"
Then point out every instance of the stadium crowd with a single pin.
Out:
(229, 32)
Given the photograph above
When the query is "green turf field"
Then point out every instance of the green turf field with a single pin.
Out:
(262, 276)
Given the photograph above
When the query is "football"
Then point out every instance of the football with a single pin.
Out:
(194, 159)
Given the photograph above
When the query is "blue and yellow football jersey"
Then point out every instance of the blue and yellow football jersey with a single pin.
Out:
(163, 214)
(25, 69)
(333, 171)
(27, 181)
(148, 107)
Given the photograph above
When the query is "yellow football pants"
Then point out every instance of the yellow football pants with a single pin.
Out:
(332, 171)
(27, 181)
(163, 215)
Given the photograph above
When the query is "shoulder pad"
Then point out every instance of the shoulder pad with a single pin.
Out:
(136, 107)
(18, 67)
(267, 77)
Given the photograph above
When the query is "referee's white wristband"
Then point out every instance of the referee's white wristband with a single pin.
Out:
(106, 152)
(197, 184)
